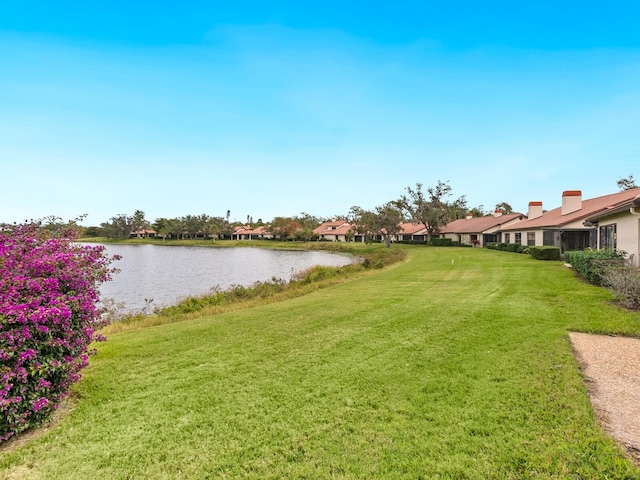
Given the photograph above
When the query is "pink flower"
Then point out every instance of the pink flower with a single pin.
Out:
(40, 403)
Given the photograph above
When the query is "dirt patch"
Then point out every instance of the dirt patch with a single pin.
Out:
(611, 368)
(17, 441)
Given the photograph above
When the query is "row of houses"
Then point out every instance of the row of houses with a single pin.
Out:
(609, 221)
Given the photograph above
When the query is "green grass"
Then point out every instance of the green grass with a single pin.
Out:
(368, 257)
(425, 370)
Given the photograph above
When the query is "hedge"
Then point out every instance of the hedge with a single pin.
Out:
(441, 242)
(591, 264)
(545, 253)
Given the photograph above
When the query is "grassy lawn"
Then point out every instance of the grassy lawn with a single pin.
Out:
(455, 364)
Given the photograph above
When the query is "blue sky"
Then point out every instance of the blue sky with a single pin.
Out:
(276, 108)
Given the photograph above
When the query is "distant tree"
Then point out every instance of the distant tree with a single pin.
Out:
(478, 211)
(92, 231)
(176, 227)
(385, 220)
(284, 227)
(504, 207)
(138, 222)
(192, 225)
(307, 224)
(627, 183)
(389, 220)
(162, 227)
(432, 209)
(208, 226)
(118, 226)
(55, 224)
(362, 222)
(121, 226)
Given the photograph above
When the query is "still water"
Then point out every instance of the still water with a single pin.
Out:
(167, 274)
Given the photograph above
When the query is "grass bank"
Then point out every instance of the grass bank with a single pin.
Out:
(201, 242)
(370, 257)
(455, 364)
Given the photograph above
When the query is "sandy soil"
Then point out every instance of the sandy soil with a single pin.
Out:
(611, 366)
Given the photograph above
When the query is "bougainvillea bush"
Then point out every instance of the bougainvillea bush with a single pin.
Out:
(49, 316)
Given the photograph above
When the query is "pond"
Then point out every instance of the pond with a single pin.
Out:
(164, 275)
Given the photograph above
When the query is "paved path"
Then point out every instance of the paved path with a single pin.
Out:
(611, 366)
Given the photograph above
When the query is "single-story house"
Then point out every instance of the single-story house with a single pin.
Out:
(335, 231)
(564, 226)
(415, 232)
(143, 233)
(619, 228)
(478, 231)
(247, 233)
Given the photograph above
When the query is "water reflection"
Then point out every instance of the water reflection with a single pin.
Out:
(167, 274)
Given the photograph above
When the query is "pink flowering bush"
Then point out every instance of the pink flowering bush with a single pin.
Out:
(48, 319)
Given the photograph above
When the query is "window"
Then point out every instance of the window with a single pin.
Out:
(507, 237)
(547, 238)
(608, 236)
(531, 239)
(518, 238)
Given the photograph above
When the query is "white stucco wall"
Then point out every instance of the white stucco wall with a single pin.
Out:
(628, 233)
(453, 236)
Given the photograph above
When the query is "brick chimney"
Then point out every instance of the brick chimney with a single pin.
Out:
(497, 213)
(571, 201)
(535, 210)
(469, 215)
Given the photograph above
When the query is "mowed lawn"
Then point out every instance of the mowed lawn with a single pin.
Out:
(455, 364)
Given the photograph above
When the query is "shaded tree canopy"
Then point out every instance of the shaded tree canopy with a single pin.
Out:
(478, 211)
(384, 220)
(505, 207)
(308, 223)
(283, 227)
(432, 208)
(627, 183)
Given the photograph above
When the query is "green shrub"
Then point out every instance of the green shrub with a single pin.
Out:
(512, 247)
(624, 282)
(411, 242)
(522, 248)
(441, 242)
(501, 246)
(545, 253)
(592, 264)
(491, 245)
(568, 256)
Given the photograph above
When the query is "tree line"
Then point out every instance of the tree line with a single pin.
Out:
(431, 206)
(123, 226)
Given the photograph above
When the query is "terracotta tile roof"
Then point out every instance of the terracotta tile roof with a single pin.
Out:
(255, 231)
(334, 227)
(478, 224)
(261, 231)
(412, 229)
(590, 207)
(611, 210)
(247, 230)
